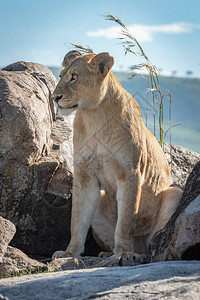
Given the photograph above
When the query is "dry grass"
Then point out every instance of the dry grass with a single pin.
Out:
(131, 45)
(83, 50)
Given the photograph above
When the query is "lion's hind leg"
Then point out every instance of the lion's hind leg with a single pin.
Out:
(170, 202)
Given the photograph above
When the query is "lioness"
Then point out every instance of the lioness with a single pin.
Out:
(121, 176)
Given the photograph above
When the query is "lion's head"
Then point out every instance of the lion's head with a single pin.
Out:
(83, 81)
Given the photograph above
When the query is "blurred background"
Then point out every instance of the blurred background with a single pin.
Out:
(169, 32)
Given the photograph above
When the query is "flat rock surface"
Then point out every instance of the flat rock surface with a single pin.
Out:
(163, 280)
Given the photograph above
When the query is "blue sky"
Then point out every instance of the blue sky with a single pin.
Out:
(41, 31)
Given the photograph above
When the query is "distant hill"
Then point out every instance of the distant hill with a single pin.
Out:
(185, 105)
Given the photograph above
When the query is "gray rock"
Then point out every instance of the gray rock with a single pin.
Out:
(35, 160)
(15, 261)
(181, 161)
(187, 231)
(25, 113)
(164, 280)
(180, 239)
(38, 71)
(7, 231)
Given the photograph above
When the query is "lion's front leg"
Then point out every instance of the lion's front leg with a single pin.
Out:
(128, 200)
(86, 196)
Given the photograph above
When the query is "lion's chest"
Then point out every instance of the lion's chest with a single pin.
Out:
(103, 149)
(99, 162)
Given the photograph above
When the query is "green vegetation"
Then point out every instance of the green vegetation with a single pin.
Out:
(28, 271)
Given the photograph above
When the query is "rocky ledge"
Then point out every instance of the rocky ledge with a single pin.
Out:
(163, 280)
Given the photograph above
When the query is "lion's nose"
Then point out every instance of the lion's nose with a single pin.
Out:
(57, 98)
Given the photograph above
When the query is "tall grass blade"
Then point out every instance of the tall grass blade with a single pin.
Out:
(153, 83)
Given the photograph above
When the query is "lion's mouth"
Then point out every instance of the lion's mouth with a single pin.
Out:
(74, 106)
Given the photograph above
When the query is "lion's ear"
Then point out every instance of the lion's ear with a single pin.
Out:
(101, 63)
(71, 55)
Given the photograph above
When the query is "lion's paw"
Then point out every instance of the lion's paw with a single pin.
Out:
(105, 254)
(58, 254)
(132, 257)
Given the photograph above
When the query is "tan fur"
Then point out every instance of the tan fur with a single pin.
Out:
(121, 176)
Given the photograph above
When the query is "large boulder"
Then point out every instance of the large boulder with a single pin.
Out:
(180, 238)
(36, 156)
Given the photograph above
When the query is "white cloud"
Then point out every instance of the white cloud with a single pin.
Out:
(145, 33)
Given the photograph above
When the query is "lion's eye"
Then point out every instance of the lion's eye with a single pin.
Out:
(74, 77)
